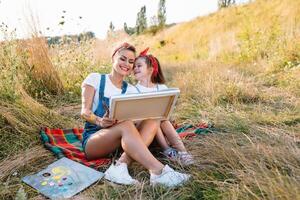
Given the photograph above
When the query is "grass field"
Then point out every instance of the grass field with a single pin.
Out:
(238, 68)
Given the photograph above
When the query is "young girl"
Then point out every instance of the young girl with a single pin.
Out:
(150, 78)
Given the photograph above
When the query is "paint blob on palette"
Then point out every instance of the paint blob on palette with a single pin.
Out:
(63, 179)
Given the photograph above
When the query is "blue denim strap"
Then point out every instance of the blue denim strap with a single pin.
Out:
(124, 87)
(102, 86)
(139, 91)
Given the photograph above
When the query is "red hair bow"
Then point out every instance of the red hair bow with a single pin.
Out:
(153, 61)
(144, 53)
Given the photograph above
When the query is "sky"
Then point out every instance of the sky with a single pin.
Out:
(92, 15)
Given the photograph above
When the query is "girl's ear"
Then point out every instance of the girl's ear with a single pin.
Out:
(150, 70)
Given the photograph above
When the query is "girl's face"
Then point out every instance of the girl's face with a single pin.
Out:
(141, 70)
(123, 62)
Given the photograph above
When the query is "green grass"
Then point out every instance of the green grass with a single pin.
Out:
(242, 76)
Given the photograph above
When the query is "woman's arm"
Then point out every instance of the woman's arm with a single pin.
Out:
(87, 97)
(88, 93)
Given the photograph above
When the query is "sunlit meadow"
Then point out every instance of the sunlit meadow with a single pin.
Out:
(238, 69)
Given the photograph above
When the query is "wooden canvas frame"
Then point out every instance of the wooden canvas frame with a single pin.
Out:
(150, 105)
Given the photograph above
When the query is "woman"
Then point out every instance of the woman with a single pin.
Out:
(103, 136)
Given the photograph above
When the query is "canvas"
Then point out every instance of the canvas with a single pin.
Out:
(150, 105)
(63, 179)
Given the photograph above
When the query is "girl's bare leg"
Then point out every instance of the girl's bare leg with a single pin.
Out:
(125, 133)
(161, 140)
(172, 136)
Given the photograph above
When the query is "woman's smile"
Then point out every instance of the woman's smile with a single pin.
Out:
(124, 68)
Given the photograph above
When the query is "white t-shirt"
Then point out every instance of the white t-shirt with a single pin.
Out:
(110, 89)
(157, 87)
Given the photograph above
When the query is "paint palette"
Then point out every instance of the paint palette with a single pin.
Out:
(63, 179)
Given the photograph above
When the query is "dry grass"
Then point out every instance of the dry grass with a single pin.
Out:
(259, 165)
(13, 168)
(13, 164)
(238, 68)
(41, 69)
(20, 123)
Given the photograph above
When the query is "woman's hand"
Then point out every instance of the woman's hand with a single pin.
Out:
(105, 122)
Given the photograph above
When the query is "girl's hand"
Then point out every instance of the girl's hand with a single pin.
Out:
(105, 122)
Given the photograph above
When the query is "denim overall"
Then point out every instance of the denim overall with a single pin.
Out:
(89, 128)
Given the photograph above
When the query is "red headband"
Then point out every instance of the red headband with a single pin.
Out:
(153, 61)
(123, 45)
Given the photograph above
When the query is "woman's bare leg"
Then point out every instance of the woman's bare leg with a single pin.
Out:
(147, 129)
(125, 133)
(172, 136)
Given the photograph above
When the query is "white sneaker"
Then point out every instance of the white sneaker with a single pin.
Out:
(119, 174)
(169, 177)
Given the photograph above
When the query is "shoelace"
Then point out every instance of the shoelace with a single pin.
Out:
(172, 154)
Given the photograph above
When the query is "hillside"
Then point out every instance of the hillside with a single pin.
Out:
(238, 68)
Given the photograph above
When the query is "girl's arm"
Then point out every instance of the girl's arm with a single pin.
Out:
(88, 93)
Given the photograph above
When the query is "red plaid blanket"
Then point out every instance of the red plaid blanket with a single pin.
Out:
(67, 142)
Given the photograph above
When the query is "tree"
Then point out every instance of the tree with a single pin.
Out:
(153, 21)
(128, 30)
(225, 3)
(161, 13)
(90, 34)
(111, 27)
(84, 36)
(141, 21)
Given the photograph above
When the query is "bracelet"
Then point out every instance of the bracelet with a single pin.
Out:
(90, 118)
(93, 117)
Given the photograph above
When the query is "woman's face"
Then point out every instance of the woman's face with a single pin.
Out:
(123, 62)
(141, 71)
